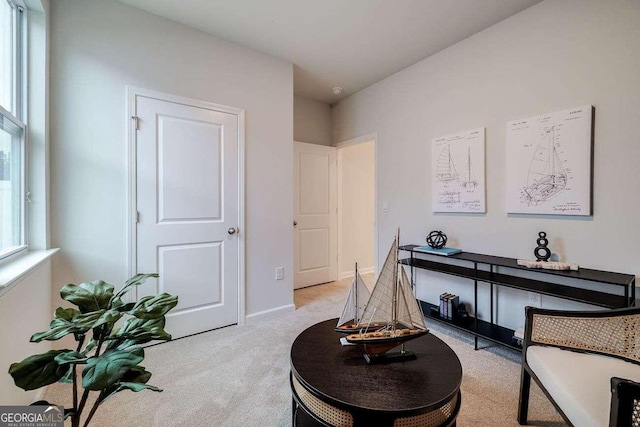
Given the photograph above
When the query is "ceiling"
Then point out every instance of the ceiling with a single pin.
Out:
(346, 43)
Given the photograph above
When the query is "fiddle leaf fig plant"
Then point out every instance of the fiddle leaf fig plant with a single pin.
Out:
(107, 358)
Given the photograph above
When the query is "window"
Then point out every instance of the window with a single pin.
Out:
(12, 130)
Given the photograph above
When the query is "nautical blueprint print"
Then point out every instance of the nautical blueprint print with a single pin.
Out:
(549, 163)
(457, 165)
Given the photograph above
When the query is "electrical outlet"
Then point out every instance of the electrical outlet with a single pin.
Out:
(279, 273)
(535, 300)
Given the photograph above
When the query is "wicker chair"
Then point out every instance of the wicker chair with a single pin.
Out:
(578, 358)
(625, 403)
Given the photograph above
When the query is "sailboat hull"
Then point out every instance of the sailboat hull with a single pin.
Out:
(546, 187)
(352, 327)
(379, 342)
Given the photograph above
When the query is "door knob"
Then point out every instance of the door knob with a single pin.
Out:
(232, 230)
(295, 223)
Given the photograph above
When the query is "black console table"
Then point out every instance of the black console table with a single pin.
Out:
(616, 290)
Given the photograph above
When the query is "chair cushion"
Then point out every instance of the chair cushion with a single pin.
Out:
(579, 382)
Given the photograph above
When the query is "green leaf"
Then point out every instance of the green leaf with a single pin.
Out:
(38, 370)
(88, 296)
(66, 313)
(60, 327)
(136, 280)
(135, 379)
(153, 307)
(67, 378)
(70, 357)
(109, 317)
(121, 306)
(137, 374)
(127, 386)
(138, 331)
(138, 387)
(90, 346)
(106, 370)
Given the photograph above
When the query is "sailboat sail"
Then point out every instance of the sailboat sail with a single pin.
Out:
(409, 312)
(392, 315)
(445, 168)
(379, 309)
(356, 302)
(547, 176)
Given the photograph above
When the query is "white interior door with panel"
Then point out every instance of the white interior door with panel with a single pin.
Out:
(188, 212)
(315, 215)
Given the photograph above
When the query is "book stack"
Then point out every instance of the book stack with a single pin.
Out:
(448, 305)
(437, 251)
(518, 337)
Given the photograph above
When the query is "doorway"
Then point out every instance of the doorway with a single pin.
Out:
(356, 206)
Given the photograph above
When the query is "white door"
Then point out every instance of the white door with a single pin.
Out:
(315, 215)
(187, 200)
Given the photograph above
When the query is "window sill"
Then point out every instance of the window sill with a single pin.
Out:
(16, 268)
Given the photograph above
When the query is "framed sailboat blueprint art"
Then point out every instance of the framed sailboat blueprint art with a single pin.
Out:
(549, 163)
(457, 165)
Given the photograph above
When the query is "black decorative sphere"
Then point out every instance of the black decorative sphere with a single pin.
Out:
(437, 239)
(541, 251)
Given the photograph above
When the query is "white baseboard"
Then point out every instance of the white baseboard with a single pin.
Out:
(349, 274)
(269, 313)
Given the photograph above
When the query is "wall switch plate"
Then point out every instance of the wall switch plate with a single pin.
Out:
(535, 300)
(385, 207)
(279, 273)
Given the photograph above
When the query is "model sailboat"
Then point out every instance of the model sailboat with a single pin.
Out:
(354, 307)
(392, 315)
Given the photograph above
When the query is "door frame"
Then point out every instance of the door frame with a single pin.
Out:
(357, 140)
(132, 93)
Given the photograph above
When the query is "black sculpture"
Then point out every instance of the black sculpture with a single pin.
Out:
(437, 239)
(542, 252)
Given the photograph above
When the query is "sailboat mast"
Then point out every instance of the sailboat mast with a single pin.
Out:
(469, 164)
(551, 148)
(357, 319)
(553, 154)
(394, 300)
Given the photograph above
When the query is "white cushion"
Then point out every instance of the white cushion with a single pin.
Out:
(580, 383)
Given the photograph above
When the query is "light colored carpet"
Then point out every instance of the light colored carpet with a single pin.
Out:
(238, 376)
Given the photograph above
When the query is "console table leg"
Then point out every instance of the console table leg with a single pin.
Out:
(475, 307)
(491, 297)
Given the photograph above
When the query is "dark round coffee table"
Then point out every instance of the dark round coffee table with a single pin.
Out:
(335, 386)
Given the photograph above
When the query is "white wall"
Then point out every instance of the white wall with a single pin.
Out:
(555, 55)
(311, 121)
(24, 310)
(99, 47)
(356, 208)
